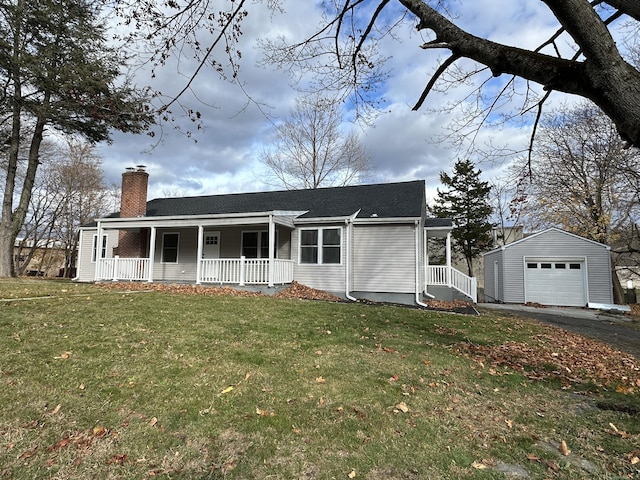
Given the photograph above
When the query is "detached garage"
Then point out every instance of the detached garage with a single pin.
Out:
(552, 267)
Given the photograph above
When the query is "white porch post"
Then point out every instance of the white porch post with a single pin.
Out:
(449, 259)
(98, 252)
(272, 241)
(152, 252)
(199, 254)
(425, 249)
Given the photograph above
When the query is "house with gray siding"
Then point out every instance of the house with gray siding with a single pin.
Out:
(552, 267)
(364, 241)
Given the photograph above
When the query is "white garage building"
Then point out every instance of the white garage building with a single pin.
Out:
(552, 267)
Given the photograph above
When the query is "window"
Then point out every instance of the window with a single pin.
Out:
(561, 266)
(532, 265)
(256, 245)
(94, 248)
(574, 266)
(320, 246)
(170, 247)
(545, 265)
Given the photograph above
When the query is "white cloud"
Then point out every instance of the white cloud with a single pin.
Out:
(222, 157)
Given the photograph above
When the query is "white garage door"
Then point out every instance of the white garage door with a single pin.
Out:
(552, 282)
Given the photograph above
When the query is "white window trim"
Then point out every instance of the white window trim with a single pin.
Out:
(320, 246)
(94, 247)
(177, 248)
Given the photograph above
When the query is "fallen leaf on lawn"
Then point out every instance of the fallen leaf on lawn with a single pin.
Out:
(614, 431)
(56, 410)
(265, 413)
(478, 465)
(509, 423)
(153, 422)
(226, 390)
(387, 349)
(394, 378)
(100, 431)
(352, 474)
(402, 407)
(427, 362)
(532, 457)
(64, 355)
(28, 453)
(295, 429)
(634, 460)
(59, 444)
(564, 449)
(320, 380)
(552, 465)
(118, 459)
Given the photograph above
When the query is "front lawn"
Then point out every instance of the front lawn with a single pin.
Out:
(103, 383)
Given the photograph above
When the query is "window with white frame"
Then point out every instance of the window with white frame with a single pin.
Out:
(320, 245)
(170, 242)
(256, 244)
(94, 248)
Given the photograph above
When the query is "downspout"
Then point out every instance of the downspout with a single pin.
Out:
(347, 284)
(417, 252)
(425, 250)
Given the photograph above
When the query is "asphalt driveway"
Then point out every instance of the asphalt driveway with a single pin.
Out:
(611, 328)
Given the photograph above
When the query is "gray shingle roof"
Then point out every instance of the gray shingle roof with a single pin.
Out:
(404, 199)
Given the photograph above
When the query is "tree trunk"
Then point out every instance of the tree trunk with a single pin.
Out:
(618, 292)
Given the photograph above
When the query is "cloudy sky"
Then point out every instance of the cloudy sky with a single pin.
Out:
(223, 157)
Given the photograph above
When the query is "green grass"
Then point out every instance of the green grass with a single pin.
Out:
(105, 384)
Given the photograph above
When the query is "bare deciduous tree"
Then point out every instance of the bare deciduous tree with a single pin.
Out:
(581, 58)
(69, 192)
(312, 150)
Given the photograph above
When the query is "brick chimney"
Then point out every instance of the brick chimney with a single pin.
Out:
(133, 203)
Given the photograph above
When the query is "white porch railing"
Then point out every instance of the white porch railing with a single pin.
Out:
(242, 271)
(123, 269)
(239, 271)
(450, 277)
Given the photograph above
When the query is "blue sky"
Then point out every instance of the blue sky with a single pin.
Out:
(223, 157)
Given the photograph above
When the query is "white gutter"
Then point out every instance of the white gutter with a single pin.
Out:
(417, 252)
(349, 234)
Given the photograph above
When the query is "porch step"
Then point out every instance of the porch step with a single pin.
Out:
(446, 293)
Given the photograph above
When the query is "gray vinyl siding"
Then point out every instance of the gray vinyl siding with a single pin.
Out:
(556, 245)
(185, 269)
(330, 278)
(384, 258)
(490, 291)
(87, 268)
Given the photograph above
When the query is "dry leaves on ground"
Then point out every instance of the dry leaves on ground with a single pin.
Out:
(568, 357)
(182, 289)
(297, 290)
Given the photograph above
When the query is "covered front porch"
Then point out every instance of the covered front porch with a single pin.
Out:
(247, 249)
(228, 271)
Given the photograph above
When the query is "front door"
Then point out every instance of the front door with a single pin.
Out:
(211, 245)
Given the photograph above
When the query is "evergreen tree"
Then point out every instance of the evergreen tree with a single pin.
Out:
(58, 73)
(466, 203)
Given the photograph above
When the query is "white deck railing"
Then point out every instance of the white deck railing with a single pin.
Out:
(239, 271)
(450, 277)
(123, 269)
(242, 271)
